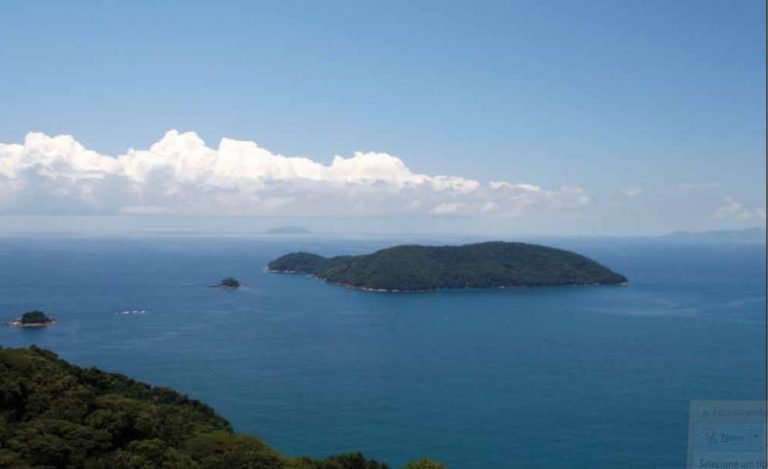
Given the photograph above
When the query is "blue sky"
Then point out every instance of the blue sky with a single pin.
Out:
(655, 109)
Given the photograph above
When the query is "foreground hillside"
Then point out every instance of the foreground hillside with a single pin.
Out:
(56, 415)
(482, 265)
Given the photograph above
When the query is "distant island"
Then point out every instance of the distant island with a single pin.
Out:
(748, 235)
(55, 414)
(289, 230)
(230, 283)
(32, 319)
(411, 268)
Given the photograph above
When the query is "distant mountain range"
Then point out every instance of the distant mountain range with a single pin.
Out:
(289, 230)
(749, 235)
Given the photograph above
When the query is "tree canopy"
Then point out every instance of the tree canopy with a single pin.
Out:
(230, 282)
(34, 317)
(56, 415)
(481, 265)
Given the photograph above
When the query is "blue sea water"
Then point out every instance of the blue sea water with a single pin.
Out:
(540, 377)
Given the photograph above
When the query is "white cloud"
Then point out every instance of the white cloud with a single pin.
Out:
(733, 209)
(633, 191)
(448, 208)
(181, 174)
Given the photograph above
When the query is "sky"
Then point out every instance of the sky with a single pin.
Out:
(507, 117)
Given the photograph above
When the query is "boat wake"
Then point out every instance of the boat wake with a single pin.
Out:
(132, 312)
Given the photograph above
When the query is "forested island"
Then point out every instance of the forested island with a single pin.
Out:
(229, 283)
(289, 230)
(422, 268)
(34, 318)
(54, 414)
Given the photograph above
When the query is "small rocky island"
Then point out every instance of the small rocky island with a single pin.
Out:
(411, 268)
(229, 283)
(32, 319)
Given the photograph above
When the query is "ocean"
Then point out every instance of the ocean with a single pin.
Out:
(531, 377)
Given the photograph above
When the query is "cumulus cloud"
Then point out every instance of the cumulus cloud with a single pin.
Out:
(733, 209)
(180, 174)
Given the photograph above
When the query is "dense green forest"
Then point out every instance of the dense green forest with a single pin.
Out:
(57, 415)
(481, 265)
(230, 282)
(34, 317)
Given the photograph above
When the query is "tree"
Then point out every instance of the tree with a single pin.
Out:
(35, 317)
(230, 282)
(53, 414)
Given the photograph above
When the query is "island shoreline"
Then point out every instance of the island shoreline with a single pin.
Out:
(435, 290)
(18, 323)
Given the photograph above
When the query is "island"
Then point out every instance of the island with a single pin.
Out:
(32, 319)
(55, 414)
(289, 230)
(229, 283)
(412, 268)
(754, 235)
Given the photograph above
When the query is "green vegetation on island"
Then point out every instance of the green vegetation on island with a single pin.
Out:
(57, 415)
(34, 318)
(228, 282)
(482, 265)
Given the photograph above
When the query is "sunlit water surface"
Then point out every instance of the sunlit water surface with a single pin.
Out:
(546, 377)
